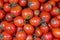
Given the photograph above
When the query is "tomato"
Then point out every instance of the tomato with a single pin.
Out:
(5, 36)
(49, 25)
(6, 0)
(2, 14)
(13, 1)
(19, 21)
(8, 17)
(56, 32)
(47, 36)
(1, 4)
(55, 22)
(29, 28)
(23, 2)
(16, 10)
(35, 21)
(58, 17)
(45, 16)
(37, 38)
(42, 0)
(47, 7)
(59, 4)
(55, 11)
(36, 12)
(27, 13)
(21, 35)
(7, 7)
(44, 28)
(38, 32)
(33, 4)
(41, 7)
(10, 28)
(29, 37)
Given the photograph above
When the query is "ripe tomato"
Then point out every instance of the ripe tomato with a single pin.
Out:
(5, 36)
(23, 2)
(6, 1)
(16, 10)
(33, 4)
(29, 28)
(27, 13)
(56, 32)
(21, 35)
(59, 4)
(47, 7)
(41, 7)
(35, 21)
(13, 1)
(55, 11)
(19, 21)
(55, 22)
(49, 25)
(7, 7)
(10, 28)
(47, 36)
(2, 14)
(58, 17)
(42, 0)
(44, 28)
(45, 16)
(29, 37)
(38, 32)
(1, 4)
(8, 17)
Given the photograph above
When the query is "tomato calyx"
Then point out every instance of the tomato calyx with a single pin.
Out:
(42, 38)
(21, 30)
(1, 7)
(1, 36)
(36, 12)
(1, 27)
(53, 21)
(34, 36)
(28, 17)
(29, 3)
(44, 24)
(42, 20)
(49, 5)
(12, 15)
(25, 21)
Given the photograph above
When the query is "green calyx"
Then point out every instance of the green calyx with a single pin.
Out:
(28, 17)
(1, 35)
(1, 27)
(44, 24)
(52, 21)
(42, 38)
(29, 3)
(42, 20)
(37, 12)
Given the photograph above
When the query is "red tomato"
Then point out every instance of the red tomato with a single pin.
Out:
(27, 13)
(55, 22)
(55, 11)
(58, 17)
(45, 16)
(50, 26)
(7, 7)
(21, 35)
(13, 1)
(23, 2)
(19, 21)
(33, 4)
(16, 10)
(2, 14)
(6, 0)
(59, 4)
(29, 28)
(41, 7)
(35, 21)
(44, 28)
(42, 0)
(37, 38)
(56, 32)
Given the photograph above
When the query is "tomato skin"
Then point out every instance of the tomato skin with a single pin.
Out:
(35, 21)
(15, 38)
(38, 32)
(41, 7)
(37, 38)
(29, 37)
(58, 17)
(29, 28)
(19, 21)
(15, 1)
(56, 32)
(59, 4)
(27, 13)
(55, 0)
(33, 4)
(48, 36)
(23, 2)
(44, 28)
(55, 23)
(45, 16)
(6, 6)
(16, 10)
(50, 26)
(6, 1)
(2, 14)
(41, 0)
(55, 39)
(55, 11)
(21, 35)
(1, 3)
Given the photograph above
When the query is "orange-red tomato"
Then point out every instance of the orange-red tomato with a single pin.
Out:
(27, 13)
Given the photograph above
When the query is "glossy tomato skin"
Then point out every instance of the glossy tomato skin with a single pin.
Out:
(16, 10)
(8, 17)
(56, 32)
(33, 4)
(23, 2)
(44, 28)
(45, 16)
(19, 21)
(29, 37)
(21, 35)
(55, 22)
(42, 7)
(55, 11)
(13, 1)
(6, 1)
(35, 21)
(2, 14)
(27, 13)
(29, 28)
(38, 32)
(48, 36)
(7, 7)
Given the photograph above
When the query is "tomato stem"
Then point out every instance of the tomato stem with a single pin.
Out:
(1, 35)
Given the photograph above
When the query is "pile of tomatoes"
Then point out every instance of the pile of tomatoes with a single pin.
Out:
(29, 19)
